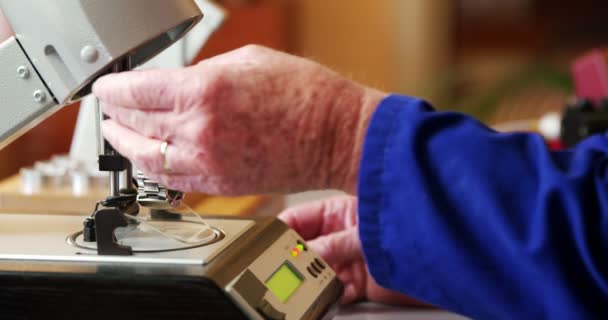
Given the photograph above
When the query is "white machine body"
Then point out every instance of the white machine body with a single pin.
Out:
(60, 48)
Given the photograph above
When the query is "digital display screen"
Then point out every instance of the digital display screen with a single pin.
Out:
(284, 282)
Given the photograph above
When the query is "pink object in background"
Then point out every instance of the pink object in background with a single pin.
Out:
(5, 28)
(590, 74)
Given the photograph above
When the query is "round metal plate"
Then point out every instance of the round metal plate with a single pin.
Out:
(149, 242)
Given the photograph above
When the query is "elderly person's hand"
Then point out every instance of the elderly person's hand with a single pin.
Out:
(330, 229)
(250, 121)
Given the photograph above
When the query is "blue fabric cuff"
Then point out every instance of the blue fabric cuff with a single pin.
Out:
(373, 184)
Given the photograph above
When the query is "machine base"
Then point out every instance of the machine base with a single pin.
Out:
(43, 276)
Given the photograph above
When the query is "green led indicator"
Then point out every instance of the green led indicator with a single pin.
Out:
(284, 282)
(301, 247)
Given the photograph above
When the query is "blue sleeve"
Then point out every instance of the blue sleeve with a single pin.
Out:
(489, 225)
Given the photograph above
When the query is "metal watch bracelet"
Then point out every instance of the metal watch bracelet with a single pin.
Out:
(152, 194)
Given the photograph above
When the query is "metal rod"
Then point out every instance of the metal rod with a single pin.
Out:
(114, 175)
(114, 183)
(128, 174)
(98, 120)
(105, 148)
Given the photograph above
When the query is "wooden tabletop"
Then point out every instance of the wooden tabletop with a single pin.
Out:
(60, 200)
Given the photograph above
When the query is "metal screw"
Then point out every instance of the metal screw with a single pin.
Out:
(24, 72)
(39, 96)
(89, 54)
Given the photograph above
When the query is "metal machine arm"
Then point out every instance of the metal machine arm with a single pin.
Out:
(61, 47)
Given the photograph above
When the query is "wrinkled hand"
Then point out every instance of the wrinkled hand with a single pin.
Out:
(330, 229)
(250, 121)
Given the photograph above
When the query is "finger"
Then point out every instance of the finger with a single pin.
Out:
(145, 152)
(351, 291)
(153, 124)
(339, 247)
(314, 219)
(306, 220)
(350, 295)
(353, 277)
(145, 89)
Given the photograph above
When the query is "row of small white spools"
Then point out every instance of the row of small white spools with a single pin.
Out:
(62, 173)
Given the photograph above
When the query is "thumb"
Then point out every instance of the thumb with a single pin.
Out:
(338, 247)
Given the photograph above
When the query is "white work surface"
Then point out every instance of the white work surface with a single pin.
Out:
(364, 311)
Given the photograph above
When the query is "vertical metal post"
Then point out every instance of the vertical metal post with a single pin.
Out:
(127, 187)
(120, 169)
(109, 150)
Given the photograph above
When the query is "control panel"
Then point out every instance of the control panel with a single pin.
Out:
(284, 282)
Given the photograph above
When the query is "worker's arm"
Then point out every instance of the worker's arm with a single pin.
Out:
(494, 226)
(250, 121)
(490, 225)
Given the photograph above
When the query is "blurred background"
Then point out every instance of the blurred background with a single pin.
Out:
(500, 61)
